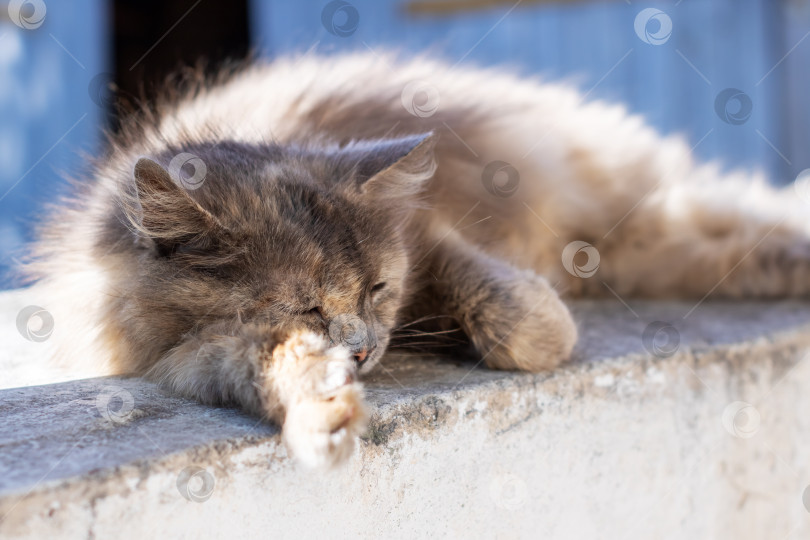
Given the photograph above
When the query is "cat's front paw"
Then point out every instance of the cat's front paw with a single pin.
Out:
(522, 324)
(325, 413)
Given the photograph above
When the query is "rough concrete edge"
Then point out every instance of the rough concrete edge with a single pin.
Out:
(394, 423)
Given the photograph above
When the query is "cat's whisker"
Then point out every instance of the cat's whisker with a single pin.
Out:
(408, 332)
(432, 344)
(432, 340)
(423, 319)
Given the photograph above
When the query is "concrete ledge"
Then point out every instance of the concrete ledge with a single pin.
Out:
(629, 441)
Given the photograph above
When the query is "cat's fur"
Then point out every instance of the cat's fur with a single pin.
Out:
(333, 193)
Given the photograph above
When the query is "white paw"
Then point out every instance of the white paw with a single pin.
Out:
(325, 409)
(322, 432)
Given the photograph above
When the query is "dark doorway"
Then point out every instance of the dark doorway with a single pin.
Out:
(154, 38)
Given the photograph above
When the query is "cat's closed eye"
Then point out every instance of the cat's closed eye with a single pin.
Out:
(376, 289)
(317, 311)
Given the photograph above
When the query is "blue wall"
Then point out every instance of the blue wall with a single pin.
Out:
(713, 45)
(50, 76)
(47, 112)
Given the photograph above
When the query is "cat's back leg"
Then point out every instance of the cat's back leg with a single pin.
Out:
(710, 235)
(627, 210)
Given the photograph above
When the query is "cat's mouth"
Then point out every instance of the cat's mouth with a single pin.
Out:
(359, 338)
(371, 359)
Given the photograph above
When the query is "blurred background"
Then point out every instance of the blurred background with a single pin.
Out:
(730, 75)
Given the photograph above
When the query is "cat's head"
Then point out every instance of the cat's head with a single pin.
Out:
(297, 237)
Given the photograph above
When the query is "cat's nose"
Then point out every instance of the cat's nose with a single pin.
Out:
(361, 355)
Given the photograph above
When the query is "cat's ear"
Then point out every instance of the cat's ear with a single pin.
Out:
(163, 210)
(393, 168)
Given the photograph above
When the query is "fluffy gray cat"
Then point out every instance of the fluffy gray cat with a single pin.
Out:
(256, 241)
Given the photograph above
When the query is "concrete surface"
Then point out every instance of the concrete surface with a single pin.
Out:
(708, 439)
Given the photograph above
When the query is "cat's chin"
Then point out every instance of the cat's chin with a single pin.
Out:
(375, 362)
(369, 365)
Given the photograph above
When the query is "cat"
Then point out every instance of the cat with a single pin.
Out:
(257, 241)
